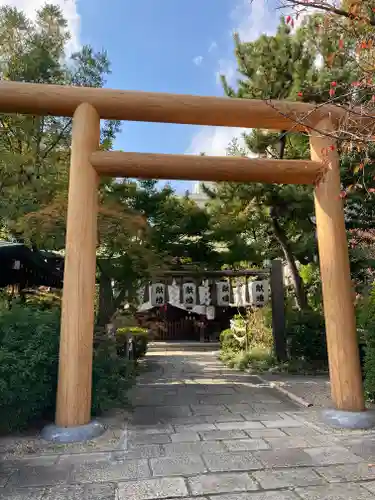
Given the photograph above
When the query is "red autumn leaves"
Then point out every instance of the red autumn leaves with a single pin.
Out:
(289, 20)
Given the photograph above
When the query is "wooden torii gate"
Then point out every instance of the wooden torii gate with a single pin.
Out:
(87, 106)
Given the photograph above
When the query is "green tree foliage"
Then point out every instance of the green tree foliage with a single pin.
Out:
(35, 151)
(313, 63)
(140, 226)
(275, 219)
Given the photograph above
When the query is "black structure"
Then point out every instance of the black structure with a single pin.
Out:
(24, 267)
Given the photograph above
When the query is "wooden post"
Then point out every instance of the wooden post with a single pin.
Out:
(342, 343)
(278, 310)
(77, 322)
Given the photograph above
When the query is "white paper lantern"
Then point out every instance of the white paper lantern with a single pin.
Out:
(210, 312)
(259, 292)
(240, 298)
(141, 295)
(174, 294)
(198, 309)
(158, 294)
(189, 292)
(222, 293)
(204, 294)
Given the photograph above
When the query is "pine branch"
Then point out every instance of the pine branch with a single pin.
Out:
(332, 10)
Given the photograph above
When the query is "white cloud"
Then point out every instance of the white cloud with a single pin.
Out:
(253, 18)
(213, 141)
(212, 46)
(69, 10)
(249, 19)
(198, 60)
(228, 68)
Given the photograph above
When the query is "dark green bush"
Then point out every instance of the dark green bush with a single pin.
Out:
(28, 365)
(369, 367)
(112, 377)
(366, 322)
(140, 339)
(305, 331)
(29, 346)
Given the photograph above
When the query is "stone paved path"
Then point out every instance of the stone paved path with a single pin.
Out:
(202, 431)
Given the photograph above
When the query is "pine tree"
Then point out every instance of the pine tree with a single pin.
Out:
(280, 216)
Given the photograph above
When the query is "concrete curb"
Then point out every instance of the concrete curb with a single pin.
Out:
(77, 434)
(362, 420)
(287, 393)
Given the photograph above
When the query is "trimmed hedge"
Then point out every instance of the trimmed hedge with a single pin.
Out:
(29, 350)
(140, 339)
(305, 332)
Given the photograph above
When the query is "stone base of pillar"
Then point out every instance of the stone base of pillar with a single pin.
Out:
(349, 419)
(72, 434)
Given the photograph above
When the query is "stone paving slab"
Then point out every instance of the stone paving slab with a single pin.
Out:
(186, 437)
(334, 492)
(87, 492)
(186, 465)
(147, 451)
(348, 472)
(332, 455)
(21, 494)
(221, 435)
(165, 487)
(40, 475)
(235, 461)
(288, 478)
(198, 431)
(264, 495)
(99, 472)
(221, 483)
(283, 458)
(246, 445)
(196, 448)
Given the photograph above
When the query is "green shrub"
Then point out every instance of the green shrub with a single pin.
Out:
(228, 342)
(366, 321)
(369, 368)
(305, 332)
(112, 377)
(140, 339)
(257, 358)
(260, 326)
(29, 344)
(29, 347)
(310, 274)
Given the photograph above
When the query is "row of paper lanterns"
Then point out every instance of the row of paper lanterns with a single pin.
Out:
(189, 295)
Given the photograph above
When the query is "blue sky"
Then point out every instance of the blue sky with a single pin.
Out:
(177, 46)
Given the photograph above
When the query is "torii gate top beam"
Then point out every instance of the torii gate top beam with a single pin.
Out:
(58, 100)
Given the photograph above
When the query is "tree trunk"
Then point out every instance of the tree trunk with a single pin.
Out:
(299, 289)
(108, 303)
(107, 306)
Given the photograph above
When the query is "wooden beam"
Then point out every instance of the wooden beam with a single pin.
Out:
(342, 342)
(77, 323)
(205, 168)
(43, 99)
(223, 273)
